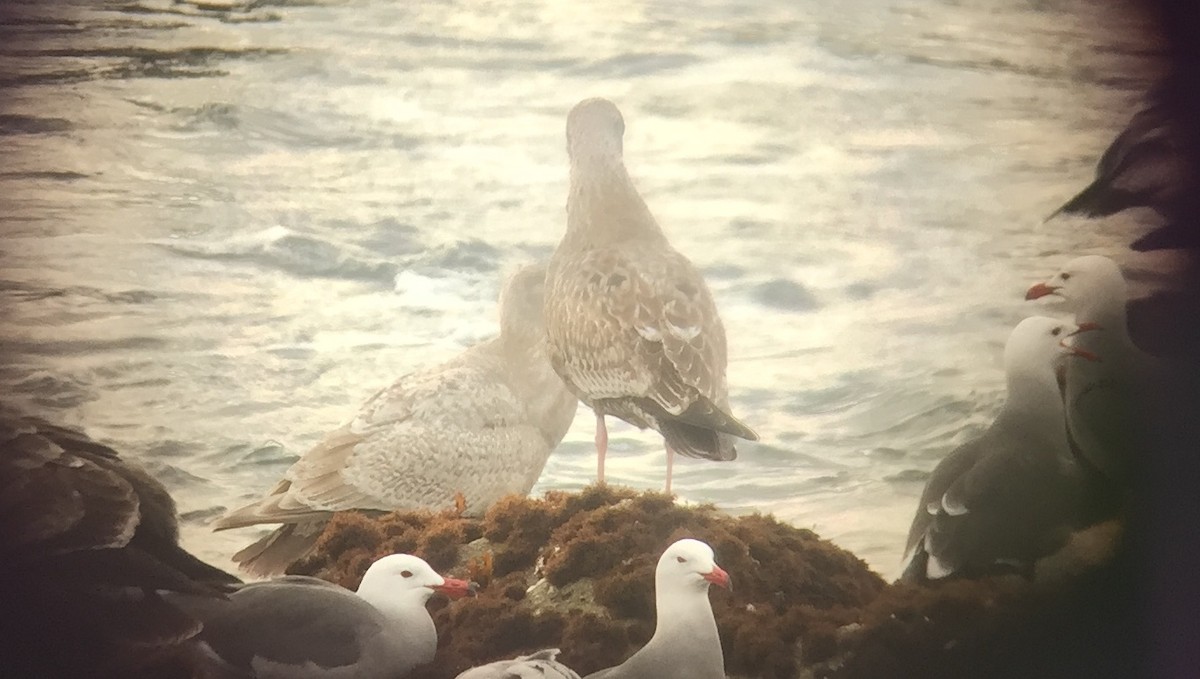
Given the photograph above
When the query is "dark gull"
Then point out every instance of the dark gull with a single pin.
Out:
(305, 628)
(685, 644)
(88, 541)
(1135, 170)
(1147, 165)
(481, 424)
(632, 327)
(1011, 495)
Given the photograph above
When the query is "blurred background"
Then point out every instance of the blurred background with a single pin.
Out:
(228, 223)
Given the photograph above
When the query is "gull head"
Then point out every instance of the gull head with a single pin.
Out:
(408, 578)
(521, 300)
(1039, 344)
(1088, 285)
(689, 565)
(594, 131)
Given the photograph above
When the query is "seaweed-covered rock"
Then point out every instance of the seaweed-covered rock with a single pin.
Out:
(1076, 620)
(352, 541)
(576, 571)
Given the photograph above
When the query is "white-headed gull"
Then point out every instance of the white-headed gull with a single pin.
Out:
(1011, 495)
(298, 627)
(685, 644)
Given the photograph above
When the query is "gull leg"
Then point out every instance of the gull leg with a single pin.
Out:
(670, 466)
(601, 447)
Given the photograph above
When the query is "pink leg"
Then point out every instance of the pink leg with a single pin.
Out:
(601, 447)
(670, 466)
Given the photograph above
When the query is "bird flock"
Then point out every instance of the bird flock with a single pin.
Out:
(620, 321)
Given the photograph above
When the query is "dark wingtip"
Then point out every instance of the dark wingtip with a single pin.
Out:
(915, 570)
(1096, 200)
(704, 413)
(200, 571)
(691, 440)
(1077, 205)
(1056, 213)
(274, 552)
(1168, 237)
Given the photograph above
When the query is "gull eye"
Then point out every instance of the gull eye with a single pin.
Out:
(406, 574)
(1056, 331)
(1066, 276)
(680, 559)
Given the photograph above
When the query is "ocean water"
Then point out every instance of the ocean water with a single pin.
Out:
(226, 223)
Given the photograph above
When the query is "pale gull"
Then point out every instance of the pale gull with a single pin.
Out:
(481, 424)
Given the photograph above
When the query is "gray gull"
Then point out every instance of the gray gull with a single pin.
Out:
(481, 424)
(1011, 495)
(539, 665)
(685, 644)
(306, 628)
(88, 542)
(1101, 397)
(632, 327)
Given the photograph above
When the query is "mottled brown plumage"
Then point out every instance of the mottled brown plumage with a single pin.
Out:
(632, 328)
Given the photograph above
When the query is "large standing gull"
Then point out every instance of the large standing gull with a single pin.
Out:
(1012, 495)
(632, 327)
(298, 627)
(1102, 398)
(481, 424)
(685, 644)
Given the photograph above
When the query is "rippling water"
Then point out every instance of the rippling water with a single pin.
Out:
(227, 222)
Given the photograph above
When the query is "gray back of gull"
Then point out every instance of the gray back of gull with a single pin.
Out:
(300, 627)
(1009, 496)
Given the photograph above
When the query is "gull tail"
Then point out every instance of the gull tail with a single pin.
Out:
(1097, 200)
(704, 413)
